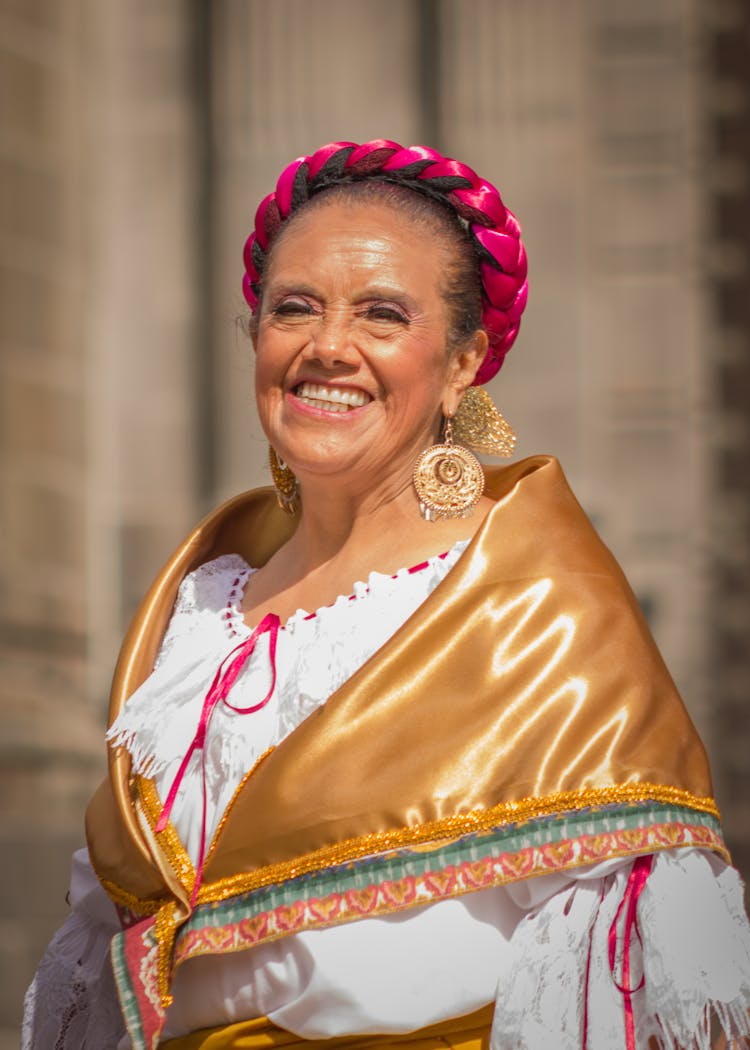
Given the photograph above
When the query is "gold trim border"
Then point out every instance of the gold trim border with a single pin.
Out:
(451, 828)
(168, 839)
(432, 832)
(184, 954)
(140, 906)
(233, 799)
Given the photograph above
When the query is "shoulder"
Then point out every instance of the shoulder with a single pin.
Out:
(536, 513)
(209, 585)
(535, 477)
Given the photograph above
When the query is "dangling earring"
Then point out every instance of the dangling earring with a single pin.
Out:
(480, 425)
(449, 479)
(284, 482)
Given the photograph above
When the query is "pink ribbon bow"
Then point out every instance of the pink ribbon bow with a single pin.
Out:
(636, 881)
(224, 679)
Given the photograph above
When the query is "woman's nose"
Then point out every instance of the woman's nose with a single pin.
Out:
(333, 342)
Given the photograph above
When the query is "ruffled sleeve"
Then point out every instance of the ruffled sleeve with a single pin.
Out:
(203, 604)
(158, 722)
(72, 1003)
(688, 960)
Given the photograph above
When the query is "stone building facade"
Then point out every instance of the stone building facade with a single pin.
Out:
(137, 137)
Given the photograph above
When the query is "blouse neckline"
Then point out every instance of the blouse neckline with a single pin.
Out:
(233, 620)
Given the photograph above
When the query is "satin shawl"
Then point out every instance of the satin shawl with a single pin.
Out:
(521, 721)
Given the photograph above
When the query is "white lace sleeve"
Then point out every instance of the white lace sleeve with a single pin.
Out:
(691, 949)
(201, 595)
(71, 1003)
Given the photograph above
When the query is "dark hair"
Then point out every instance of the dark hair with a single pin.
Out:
(423, 182)
(461, 287)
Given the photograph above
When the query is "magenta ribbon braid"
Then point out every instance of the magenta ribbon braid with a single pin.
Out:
(494, 230)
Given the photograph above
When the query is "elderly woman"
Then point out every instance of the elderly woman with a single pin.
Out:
(395, 761)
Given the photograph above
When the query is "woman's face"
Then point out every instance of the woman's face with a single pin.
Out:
(352, 371)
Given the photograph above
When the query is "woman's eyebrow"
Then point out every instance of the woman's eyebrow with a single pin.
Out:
(290, 288)
(277, 289)
(388, 293)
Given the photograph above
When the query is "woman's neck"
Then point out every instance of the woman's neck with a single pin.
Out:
(338, 543)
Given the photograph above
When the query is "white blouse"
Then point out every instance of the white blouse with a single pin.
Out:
(526, 946)
(315, 654)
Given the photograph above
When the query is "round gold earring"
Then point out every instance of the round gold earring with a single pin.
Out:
(448, 479)
(284, 482)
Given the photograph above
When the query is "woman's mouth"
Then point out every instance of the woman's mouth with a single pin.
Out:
(331, 398)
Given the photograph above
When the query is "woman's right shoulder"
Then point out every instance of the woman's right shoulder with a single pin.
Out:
(207, 587)
(207, 602)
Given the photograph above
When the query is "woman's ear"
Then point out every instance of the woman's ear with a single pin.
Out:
(465, 364)
(252, 330)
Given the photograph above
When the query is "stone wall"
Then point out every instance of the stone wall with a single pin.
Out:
(728, 267)
(98, 251)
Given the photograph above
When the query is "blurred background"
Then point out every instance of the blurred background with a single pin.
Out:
(138, 137)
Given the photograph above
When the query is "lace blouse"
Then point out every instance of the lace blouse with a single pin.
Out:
(530, 946)
(315, 654)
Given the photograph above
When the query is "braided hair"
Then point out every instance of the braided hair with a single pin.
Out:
(493, 230)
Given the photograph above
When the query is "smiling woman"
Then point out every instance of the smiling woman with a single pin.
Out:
(352, 316)
(394, 761)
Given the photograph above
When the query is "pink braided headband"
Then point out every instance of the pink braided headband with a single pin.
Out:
(494, 230)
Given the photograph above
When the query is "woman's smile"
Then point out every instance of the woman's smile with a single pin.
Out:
(331, 398)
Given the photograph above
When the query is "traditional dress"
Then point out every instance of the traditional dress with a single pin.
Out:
(465, 790)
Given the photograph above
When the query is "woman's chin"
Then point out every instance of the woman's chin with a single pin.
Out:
(342, 471)
(350, 473)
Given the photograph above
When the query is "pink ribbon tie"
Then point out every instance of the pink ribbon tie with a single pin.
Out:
(636, 881)
(224, 679)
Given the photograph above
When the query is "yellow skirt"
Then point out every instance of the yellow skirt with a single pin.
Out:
(471, 1032)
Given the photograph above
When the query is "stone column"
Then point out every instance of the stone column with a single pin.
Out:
(726, 262)
(589, 118)
(289, 77)
(97, 321)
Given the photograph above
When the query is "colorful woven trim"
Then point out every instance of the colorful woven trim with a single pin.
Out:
(144, 956)
(505, 815)
(410, 878)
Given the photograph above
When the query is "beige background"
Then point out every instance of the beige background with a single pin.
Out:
(137, 138)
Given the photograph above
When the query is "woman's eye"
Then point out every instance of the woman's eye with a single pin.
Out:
(381, 312)
(293, 308)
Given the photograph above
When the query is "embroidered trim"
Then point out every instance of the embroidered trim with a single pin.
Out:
(135, 907)
(232, 616)
(145, 955)
(165, 930)
(451, 828)
(135, 967)
(244, 922)
(168, 839)
(555, 807)
(234, 619)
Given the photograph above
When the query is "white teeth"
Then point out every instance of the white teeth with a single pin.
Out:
(328, 406)
(331, 398)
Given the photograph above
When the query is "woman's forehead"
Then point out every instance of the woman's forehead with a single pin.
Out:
(356, 233)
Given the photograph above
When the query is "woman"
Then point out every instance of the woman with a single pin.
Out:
(460, 796)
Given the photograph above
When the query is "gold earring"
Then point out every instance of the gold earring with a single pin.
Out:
(480, 425)
(449, 479)
(284, 482)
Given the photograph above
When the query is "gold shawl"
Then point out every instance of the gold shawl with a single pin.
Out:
(524, 698)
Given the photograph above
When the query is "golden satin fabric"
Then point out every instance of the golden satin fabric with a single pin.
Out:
(527, 672)
(463, 1033)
